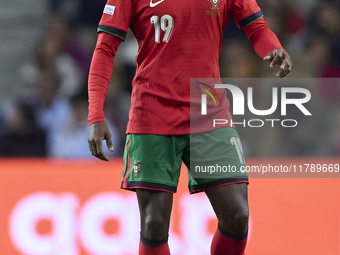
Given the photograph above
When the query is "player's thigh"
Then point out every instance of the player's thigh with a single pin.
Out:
(229, 200)
(155, 210)
(230, 203)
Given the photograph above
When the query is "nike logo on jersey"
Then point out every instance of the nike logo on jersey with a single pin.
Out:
(154, 4)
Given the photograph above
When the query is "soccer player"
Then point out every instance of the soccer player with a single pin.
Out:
(178, 40)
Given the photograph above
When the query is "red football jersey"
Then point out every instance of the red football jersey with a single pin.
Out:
(178, 40)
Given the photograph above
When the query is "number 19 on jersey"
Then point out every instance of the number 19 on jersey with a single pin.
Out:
(166, 24)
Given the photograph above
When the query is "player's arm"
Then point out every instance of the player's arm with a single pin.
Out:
(249, 17)
(98, 83)
(268, 47)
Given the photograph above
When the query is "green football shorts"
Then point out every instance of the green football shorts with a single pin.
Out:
(214, 158)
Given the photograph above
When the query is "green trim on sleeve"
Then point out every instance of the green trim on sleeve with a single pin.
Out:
(252, 21)
(113, 31)
(102, 30)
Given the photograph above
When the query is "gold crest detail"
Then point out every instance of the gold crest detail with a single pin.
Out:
(215, 4)
(214, 9)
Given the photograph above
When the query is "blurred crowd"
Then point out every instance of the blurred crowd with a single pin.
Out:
(49, 115)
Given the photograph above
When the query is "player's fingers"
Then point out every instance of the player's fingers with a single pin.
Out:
(282, 73)
(285, 67)
(91, 148)
(103, 157)
(109, 142)
(99, 150)
(278, 58)
(287, 63)
(268, 58)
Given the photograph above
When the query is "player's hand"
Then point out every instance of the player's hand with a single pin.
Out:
(98, 132)
(281, 58)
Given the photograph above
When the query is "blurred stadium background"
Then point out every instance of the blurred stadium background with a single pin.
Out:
(46, 48)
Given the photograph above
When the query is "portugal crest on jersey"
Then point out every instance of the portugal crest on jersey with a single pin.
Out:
(214, 9)
(215, 4)
(136, 168)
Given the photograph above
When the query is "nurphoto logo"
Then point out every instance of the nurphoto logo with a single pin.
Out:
(239, 105)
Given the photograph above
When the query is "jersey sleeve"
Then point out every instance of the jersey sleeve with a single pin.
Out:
(245, 12)
(262, 38)
(117, 17)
